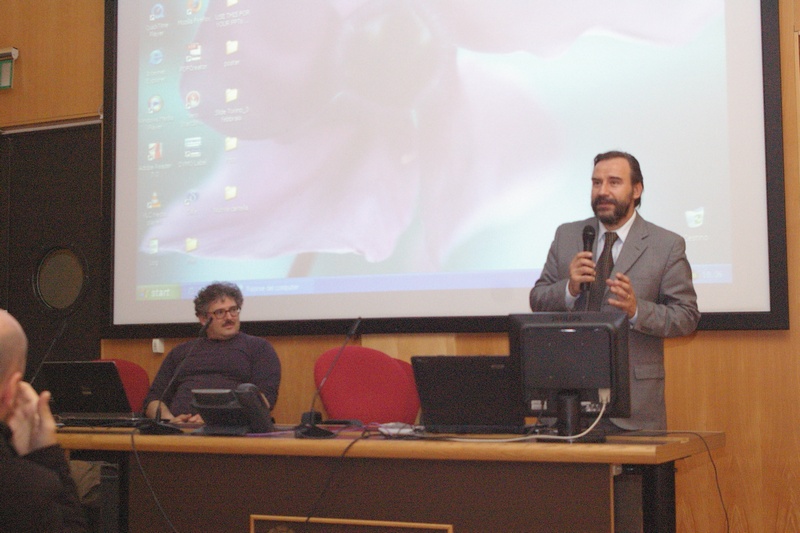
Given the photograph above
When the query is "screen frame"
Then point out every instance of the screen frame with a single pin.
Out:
(777, 318)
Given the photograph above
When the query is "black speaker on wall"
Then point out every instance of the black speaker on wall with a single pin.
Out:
(56, 267)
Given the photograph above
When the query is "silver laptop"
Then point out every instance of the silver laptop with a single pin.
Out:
(86, 393)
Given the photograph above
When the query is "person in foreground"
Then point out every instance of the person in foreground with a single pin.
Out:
(37, 492)
(651, 280)
(222, 357)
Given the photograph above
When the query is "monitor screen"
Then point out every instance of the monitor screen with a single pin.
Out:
(572, 357)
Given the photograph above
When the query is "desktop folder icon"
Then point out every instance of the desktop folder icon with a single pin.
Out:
(190, 244)
(231, 47)
(231, 95)
(231, 143)
(230, 192)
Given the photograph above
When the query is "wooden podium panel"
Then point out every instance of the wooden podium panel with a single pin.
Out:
(220, 493)
(222, 483)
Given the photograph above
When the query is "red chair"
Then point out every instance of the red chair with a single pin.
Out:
(136, 382)
(366, 385)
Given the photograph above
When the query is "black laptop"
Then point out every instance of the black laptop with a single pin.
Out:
(86, 393)
(469, 394)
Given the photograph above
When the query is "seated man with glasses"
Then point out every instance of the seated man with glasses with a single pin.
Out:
(221, 358)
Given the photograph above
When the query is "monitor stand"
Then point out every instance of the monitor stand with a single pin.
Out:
(568, 422)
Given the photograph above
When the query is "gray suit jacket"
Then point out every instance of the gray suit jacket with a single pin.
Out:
(655, 260)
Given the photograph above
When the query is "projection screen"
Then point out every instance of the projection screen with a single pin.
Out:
(409, 161)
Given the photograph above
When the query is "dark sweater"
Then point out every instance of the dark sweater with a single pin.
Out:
(214, 364)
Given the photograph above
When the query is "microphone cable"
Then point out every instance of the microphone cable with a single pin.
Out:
(335, 468)
(149, 485)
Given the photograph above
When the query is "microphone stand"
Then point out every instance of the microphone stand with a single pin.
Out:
(49, 349)
(308, 428)
(155, 426)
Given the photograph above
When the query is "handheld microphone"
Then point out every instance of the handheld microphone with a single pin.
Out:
(588, 241)
(308, 428)
(156, 426)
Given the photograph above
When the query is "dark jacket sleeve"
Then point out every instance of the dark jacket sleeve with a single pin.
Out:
(39, 494)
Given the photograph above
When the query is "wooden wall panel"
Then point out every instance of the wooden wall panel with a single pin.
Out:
(406, 346)
(59, 73)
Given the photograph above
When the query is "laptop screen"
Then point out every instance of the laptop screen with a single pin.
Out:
(469, 394)
(83, 387)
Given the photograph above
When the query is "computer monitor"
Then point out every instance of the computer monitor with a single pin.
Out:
(568, 362)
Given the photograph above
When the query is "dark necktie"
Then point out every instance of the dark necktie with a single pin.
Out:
(604, 267)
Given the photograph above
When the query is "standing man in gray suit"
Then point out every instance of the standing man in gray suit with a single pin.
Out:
(651, 280)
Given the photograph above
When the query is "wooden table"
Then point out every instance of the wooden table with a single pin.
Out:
(230, 483)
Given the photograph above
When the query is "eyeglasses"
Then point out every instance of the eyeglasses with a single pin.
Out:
(220, 313)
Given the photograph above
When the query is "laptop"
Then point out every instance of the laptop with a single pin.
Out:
(86, 393)
(469, 394)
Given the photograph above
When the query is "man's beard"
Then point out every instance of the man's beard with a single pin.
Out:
(620, 210)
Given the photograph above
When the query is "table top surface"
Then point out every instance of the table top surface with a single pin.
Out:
(629, 448)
